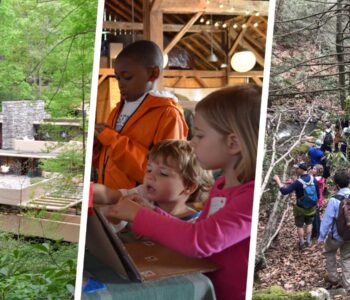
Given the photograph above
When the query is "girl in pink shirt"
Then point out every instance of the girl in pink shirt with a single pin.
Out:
(226, 134)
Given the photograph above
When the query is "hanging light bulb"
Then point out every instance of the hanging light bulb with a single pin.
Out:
(244, 26)
(235, 26)
(224, 25)
(256, 24)
(216, 24)
(207, 22)
(208, 2)
(247, 12)
(221, 5)
(232, 9)
(201, 20)
(257, 14)
(243, 61)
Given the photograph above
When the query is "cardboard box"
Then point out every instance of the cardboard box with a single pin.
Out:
(138, 260)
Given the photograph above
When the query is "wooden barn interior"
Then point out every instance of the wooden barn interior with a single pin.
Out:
(198, 38)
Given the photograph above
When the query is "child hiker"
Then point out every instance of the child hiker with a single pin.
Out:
(141, 119)
(173, 179)
(226, 134)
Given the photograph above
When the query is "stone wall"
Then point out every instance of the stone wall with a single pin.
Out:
(18, 119)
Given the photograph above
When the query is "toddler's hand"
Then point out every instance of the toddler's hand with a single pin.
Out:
(142, 201)
(125, 209)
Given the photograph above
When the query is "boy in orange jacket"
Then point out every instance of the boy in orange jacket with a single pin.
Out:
(141, 119)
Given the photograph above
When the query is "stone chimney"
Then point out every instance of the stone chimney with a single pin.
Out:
(18, 119)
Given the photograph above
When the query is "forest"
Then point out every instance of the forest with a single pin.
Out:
(309, 87)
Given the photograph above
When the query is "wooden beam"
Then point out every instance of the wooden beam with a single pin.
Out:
(239, 37)
(215, 43)
(210, 74)
(182, 32)
(200, 55)
(257, 30)
(166, 27)
(255, 42)
(156, 5)
(178, 80)
(258, 81)
(103, 77)
(118, 11)
(201, 82)
(146, 26)
(190, 6)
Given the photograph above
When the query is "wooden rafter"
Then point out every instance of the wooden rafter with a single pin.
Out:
(118, 11)
(261, 33)
(239, 37)
(182, 32)
(257, 80)
(197, 53)
(259, 58)
(123, 7)
(201, 82)
(216, 45)
(166, 27)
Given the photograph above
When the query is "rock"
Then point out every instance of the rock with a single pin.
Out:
(339, 293)
(320, 294)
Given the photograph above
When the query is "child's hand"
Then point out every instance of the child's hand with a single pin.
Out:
(99, 128)
(105, 195)
(125, 209)
(142, 201)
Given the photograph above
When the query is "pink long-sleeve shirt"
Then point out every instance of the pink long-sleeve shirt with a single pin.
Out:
(220, 234)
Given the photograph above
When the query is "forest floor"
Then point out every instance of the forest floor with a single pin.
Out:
(292, 269)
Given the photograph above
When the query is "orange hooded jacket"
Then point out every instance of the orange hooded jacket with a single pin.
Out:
(121, 158)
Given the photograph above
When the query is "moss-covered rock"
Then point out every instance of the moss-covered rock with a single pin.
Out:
(276, 293)
(300, 149)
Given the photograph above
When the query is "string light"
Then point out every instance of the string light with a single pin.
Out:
(244, 25)
(221, 5)
(235, 26)
(232, 8)
(256, 24)
(201, 20)
(207, 22)
(224, 25)
(216, 24)
(257, 14)
(247, 12)
(208, 2)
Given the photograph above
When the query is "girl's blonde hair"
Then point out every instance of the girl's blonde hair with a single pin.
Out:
(236, 110)
(179, 155)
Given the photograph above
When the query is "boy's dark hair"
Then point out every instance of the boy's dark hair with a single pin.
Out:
(342, 178)
(144, 52)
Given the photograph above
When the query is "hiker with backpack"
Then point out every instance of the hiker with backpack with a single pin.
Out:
(327, 138)
(307, 195)
(335, 232)
(316, 154)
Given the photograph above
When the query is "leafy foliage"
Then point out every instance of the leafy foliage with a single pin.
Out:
(36, 270)
(47, 51)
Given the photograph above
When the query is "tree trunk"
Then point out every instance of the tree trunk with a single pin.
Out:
(340, 56)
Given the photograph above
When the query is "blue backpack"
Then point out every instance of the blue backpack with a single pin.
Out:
(310, 194)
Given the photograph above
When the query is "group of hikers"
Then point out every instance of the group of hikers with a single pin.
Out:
(333, 231)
